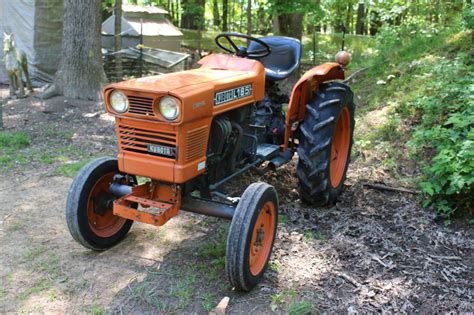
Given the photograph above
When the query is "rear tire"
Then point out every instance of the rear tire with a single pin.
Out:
(251, 236)
(89, 213)
(325, 138)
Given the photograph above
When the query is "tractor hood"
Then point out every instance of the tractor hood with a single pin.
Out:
(163, 84)
(220, 84)
(219, 69)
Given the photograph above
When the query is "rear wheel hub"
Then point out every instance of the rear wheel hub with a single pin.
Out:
(340, 147)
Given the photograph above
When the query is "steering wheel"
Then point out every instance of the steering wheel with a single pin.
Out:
(240, 51)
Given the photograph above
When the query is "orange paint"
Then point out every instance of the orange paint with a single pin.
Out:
(189, 134)
(262, 238)
(303, 91)
(340, 147)
(185, 139)
(160, 202)
(103, 224)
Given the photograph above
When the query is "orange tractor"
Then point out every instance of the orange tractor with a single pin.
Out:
(190, 132)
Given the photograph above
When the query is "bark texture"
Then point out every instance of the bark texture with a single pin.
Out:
(81, 74)
(249, 17)
(291, 24)
(215, 13)
(225, 10)
(360, 24)
(118, 38)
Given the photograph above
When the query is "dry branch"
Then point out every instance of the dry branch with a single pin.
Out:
(388, 188)
(350, 279)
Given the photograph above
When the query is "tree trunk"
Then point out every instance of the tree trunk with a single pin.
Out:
(276, 24)
(80, 73)
(291, 25)
(360, 26)
(186, 19)
(193, 14)
(225, 19)
(347, 26)
(215, 13)
(249, 17)
(232, 16)
(118, 39)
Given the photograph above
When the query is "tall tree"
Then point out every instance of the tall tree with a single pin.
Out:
(249, 17)
(118, 39)
(80, 73)
(360, 21)
(215, 13)
(225, 18)
(288, 16)
(193, 13)
(291, 24)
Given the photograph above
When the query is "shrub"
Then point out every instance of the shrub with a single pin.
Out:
(445, 136)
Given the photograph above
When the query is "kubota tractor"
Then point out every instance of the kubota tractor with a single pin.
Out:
(190, 132)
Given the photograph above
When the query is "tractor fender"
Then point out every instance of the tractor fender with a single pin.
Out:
(303, 91)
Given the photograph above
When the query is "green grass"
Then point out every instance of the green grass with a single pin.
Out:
(15, 226)
(41, 285)
(3, 292)
(208, 299)
(11, 148)
(308, 235)
(282, 219)
(302, 307)
(71, 169)
(289, 302)
(274, 266)
(15, 150)
(282, 298)
(14, 140)
(52, 131)
(46, 157)
(96, 309)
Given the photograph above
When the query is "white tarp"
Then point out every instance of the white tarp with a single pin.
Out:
(36, 26)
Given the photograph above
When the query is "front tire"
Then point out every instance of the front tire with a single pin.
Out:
(326, 137)
(89, 212)
(251, 236)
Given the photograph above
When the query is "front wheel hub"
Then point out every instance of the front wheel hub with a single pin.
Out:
(262, 238)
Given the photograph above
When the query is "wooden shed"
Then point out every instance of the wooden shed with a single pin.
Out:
(151, 22)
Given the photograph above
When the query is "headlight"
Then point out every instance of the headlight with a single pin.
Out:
(118, 101)
(169, 107)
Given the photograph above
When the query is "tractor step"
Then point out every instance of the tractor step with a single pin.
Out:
(266, 150)
(151, 210)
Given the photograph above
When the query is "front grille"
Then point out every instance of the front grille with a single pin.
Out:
(139, 139)
(141, 105)
(196, 143)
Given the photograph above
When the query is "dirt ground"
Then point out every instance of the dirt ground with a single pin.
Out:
(373, 251)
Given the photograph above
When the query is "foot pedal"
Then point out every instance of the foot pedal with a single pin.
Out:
(265, 150)
(152, 211)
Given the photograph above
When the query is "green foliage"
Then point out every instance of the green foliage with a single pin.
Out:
(302, 307)
(430, 93)
(468, 17)
(445, 135)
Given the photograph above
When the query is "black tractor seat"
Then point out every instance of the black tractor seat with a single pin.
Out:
(283, 60)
